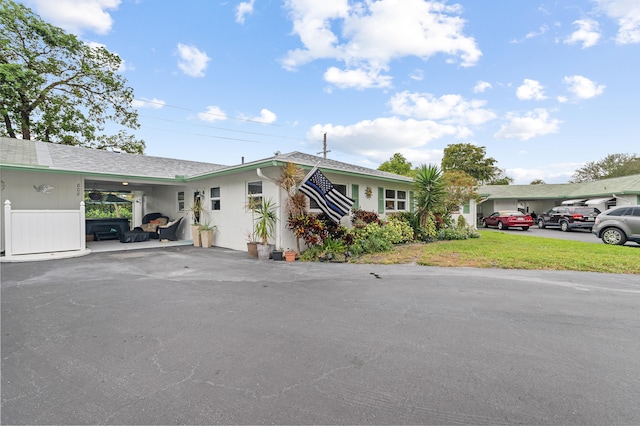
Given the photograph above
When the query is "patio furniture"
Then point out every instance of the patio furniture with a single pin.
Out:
(150, 223)
(107, 228)
(168, 231)
(134, 236)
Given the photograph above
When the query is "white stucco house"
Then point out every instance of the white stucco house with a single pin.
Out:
(43, 187)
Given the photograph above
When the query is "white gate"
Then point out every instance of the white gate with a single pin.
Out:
(43, 231)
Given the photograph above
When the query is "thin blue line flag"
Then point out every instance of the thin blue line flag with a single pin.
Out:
(320, 189)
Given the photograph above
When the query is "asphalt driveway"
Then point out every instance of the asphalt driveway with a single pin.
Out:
(209, 336)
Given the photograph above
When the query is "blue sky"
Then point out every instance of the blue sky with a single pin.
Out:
(544, 86)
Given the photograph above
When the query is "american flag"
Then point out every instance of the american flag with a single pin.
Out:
(330, 200)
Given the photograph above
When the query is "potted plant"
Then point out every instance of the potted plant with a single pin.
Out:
(197, 209)
(252, 244)
(278, 254)
(290, 255)
(265, 222)
(206, 234)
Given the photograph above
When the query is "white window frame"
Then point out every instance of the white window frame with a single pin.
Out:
(255, 196)
(394, 202)
(215, 198)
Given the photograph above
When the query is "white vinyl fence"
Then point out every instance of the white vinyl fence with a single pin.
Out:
(43, 231)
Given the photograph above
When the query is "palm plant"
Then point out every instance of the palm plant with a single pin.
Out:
(430, 192)
(265, 220)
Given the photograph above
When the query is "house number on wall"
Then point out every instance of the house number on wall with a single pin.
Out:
(78, 190)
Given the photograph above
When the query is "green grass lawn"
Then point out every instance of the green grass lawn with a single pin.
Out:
(508, 251)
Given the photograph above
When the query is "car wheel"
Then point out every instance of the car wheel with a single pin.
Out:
(541, 224)
(525, 228)
(614, 236)
(564, 226)
(502, 226)
(484, 224)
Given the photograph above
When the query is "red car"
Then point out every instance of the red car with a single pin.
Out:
(508, 219)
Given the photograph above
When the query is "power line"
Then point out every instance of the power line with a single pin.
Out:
(208, 113)
(201, 134)
(220, 128)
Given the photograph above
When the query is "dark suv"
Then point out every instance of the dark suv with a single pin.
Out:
(618, 225)
(568, 217)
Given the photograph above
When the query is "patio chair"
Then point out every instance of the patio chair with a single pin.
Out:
(150, 223)
(168, 231)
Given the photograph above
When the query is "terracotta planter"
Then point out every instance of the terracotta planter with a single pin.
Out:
(252, 249)
(195, 235)
(290, 256)
(206, 238)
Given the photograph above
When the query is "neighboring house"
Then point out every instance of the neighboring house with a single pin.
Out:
(45, 185)
(601, 194)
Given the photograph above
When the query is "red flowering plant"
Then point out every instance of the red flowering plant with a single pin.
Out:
(308, 227)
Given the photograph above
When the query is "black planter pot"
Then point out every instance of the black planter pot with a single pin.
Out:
(277, 255)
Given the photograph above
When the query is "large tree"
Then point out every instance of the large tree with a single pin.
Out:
(398, 165)
(460, 189)
(56, 88)
(473, 161)
(613, 165)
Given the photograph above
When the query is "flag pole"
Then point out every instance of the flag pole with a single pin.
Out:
(307, 176)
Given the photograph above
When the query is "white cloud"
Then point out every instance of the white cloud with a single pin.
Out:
(380, 138)
(417, 75)
(243, 9)
(77, 16)
(213, 113)
(482, 86)
(148, 103)
(193, 61)
(358, 78)
(582, 87)
(588, 33)
(375, 33)
(449, 109)
(533, 34)
(627, 15)
(530, 90)
(266, 117)
(533, 123)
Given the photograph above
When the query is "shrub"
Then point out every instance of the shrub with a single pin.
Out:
(361, 218)
(370, 244)
(428, 232)
(462, 223)
(457, 233)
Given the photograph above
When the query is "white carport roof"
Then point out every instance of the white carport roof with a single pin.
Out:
(577, 201)
(598, 200)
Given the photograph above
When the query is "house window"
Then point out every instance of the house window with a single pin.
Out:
(215, 198)
(395, 200)
(181, 201)
(338, 187)
(254, 194)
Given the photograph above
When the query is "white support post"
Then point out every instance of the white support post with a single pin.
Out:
(7, 229)
(83, 227)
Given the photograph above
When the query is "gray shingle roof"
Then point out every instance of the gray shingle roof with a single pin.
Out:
(600, 188)
(33, 154)
(325, 163)
(95, 161)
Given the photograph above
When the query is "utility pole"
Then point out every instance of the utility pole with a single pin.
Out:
(324, 146)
